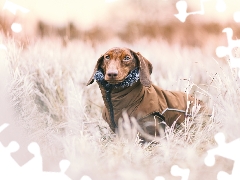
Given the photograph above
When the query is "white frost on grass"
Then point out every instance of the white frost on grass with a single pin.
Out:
(55, 108)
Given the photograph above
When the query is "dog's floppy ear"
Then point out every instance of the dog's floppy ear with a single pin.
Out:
(145, 69)
(91, 80)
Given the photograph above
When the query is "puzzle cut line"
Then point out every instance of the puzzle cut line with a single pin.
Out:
(228, 150)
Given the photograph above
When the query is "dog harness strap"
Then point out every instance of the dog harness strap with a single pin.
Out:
(108, 89)
(159, 115)
(171, 109)
(178, 110)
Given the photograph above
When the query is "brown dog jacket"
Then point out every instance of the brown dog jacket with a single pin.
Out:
(140, 98)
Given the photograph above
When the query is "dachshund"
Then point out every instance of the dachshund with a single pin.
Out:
(123, 77)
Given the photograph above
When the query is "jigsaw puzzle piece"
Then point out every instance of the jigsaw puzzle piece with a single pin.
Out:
(225, 176)
(13, 133)
(205, 172)
(7, 164)
(235, 175)
(85, 178)
(182, 10)
(51, 162)
(222, 51)
(5, 109)
(221, 6)
(14, 8)
(177, 171)
(4, 126)
(33, 168)
(159, 178)
(35, 164)
(74, 175)
(10, 131)
(229, 151)
(63, 164)
(197, 168)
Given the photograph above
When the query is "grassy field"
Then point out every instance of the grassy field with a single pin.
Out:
(54, 107)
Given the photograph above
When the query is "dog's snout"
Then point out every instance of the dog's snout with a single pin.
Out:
(112, 73)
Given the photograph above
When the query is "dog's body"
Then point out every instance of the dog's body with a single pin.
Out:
(124, 79)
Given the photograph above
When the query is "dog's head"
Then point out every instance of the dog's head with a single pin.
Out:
(117, 63)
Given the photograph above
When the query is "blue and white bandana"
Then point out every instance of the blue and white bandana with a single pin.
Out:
(131, 78)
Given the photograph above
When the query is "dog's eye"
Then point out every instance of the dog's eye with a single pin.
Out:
(126, 58)
(107, 57)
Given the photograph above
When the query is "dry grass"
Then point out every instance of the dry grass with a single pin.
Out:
(55, 108)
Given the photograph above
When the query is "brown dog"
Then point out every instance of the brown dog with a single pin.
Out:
(124, 80)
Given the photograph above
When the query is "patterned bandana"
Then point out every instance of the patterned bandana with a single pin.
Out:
(131, 78)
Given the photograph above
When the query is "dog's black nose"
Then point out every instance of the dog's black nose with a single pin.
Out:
(112, 74)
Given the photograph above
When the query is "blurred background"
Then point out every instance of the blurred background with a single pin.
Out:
(104, 20)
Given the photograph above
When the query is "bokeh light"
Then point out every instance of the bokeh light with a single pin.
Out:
(209, 160)
(236, 16)
(3, 47)
(16, 27)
